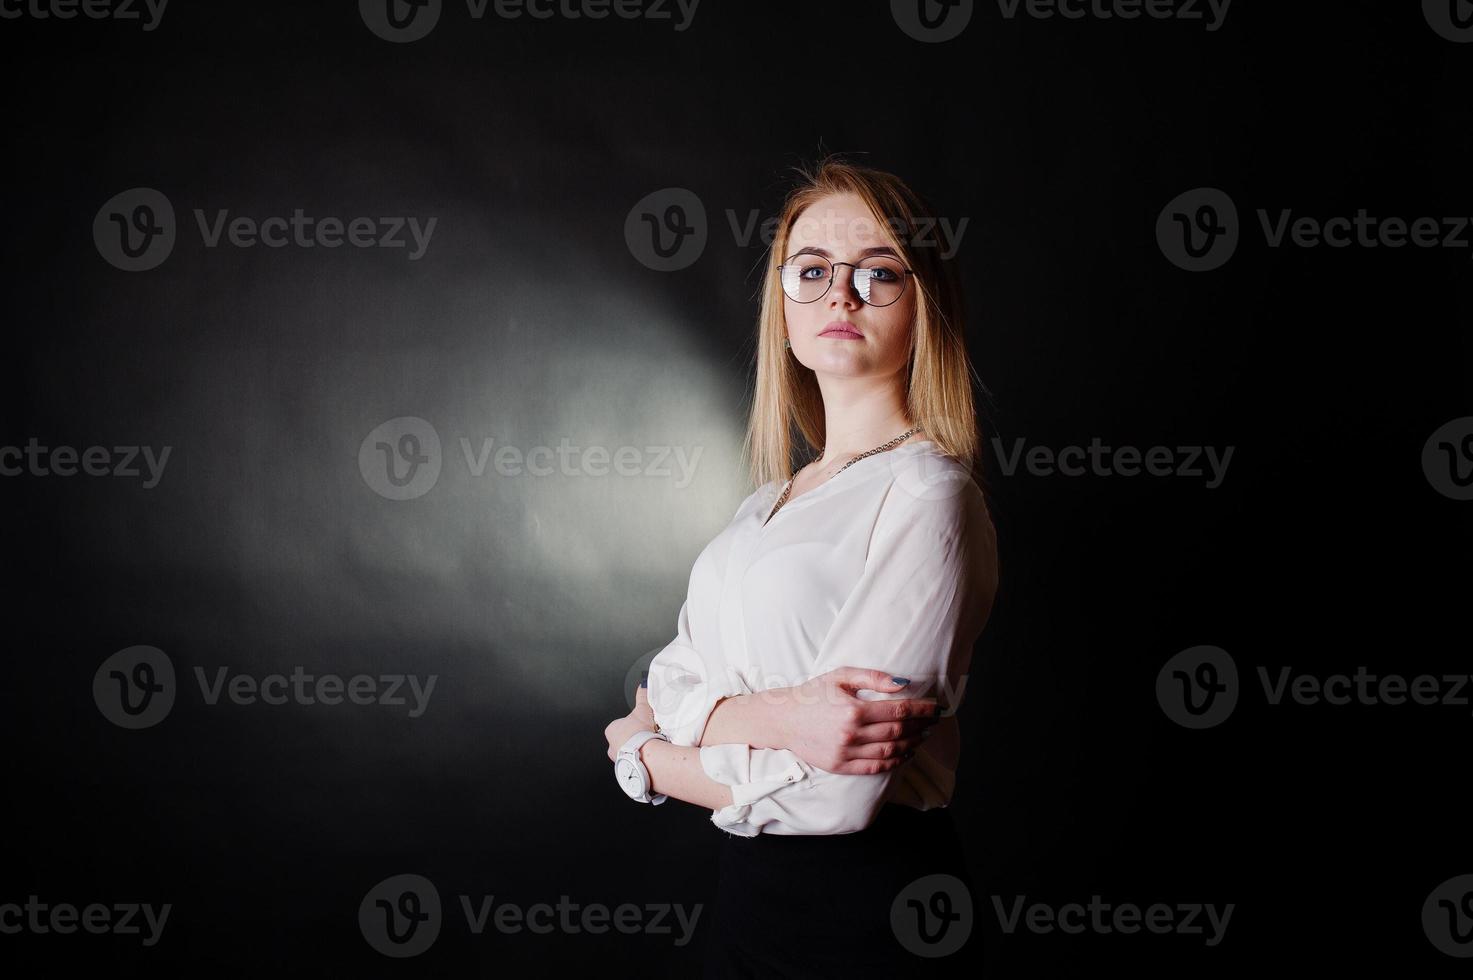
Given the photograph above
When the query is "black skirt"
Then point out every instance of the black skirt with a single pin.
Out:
(813, 906)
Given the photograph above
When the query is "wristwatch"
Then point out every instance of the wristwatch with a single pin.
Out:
(629, 769)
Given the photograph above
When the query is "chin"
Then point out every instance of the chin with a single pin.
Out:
(847, 367)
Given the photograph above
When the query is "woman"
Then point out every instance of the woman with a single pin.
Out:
(808, 699)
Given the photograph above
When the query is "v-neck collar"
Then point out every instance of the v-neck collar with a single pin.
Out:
(769, 517)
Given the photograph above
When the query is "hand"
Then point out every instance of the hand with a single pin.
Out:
(827, 725)
(642, 718)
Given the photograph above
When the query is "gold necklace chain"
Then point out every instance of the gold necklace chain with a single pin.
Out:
(878, 449)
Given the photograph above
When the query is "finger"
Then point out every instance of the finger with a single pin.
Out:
(641, 694)
(899, 709)
(889, 731)
(884, 750)
(869, 767)
(860, 678)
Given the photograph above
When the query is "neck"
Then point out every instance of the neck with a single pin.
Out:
(860, 414)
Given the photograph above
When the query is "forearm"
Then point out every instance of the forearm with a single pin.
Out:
(748, 719)
(676, 771)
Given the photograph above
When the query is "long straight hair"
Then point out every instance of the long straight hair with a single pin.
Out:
(787, 403)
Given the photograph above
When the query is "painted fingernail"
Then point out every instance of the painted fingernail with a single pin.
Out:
(644, 682)
(902, 681)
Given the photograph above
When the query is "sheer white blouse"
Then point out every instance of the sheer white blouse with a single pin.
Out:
(890, 564)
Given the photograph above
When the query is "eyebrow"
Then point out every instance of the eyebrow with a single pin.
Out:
(876, 250)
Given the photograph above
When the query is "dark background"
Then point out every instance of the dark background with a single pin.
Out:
(529, 320)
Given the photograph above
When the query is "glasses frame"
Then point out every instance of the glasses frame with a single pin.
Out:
(834, 274)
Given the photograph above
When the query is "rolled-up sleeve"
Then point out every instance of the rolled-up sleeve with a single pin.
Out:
(921, 602)
(686, 681)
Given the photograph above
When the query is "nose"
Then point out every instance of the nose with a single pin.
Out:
(842, 289)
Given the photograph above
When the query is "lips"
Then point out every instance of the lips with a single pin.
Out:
(842, 328)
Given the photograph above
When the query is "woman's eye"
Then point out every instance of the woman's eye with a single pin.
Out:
(812, 268)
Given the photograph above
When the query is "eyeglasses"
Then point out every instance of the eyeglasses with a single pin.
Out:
(879, 280)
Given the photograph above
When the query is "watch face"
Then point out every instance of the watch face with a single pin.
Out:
(629, 778)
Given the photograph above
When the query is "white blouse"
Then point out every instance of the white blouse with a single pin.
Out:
(890, 564)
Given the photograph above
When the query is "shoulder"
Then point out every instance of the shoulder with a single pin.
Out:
(933, 495)
(934, 525)
(931, 484)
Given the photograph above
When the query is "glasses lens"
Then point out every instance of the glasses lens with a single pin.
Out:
(806, 277)
(879, 280)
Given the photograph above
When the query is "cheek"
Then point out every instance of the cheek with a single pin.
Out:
(798, 312)
(897, 327)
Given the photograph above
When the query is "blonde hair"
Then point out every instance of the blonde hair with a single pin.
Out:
(938, 392)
